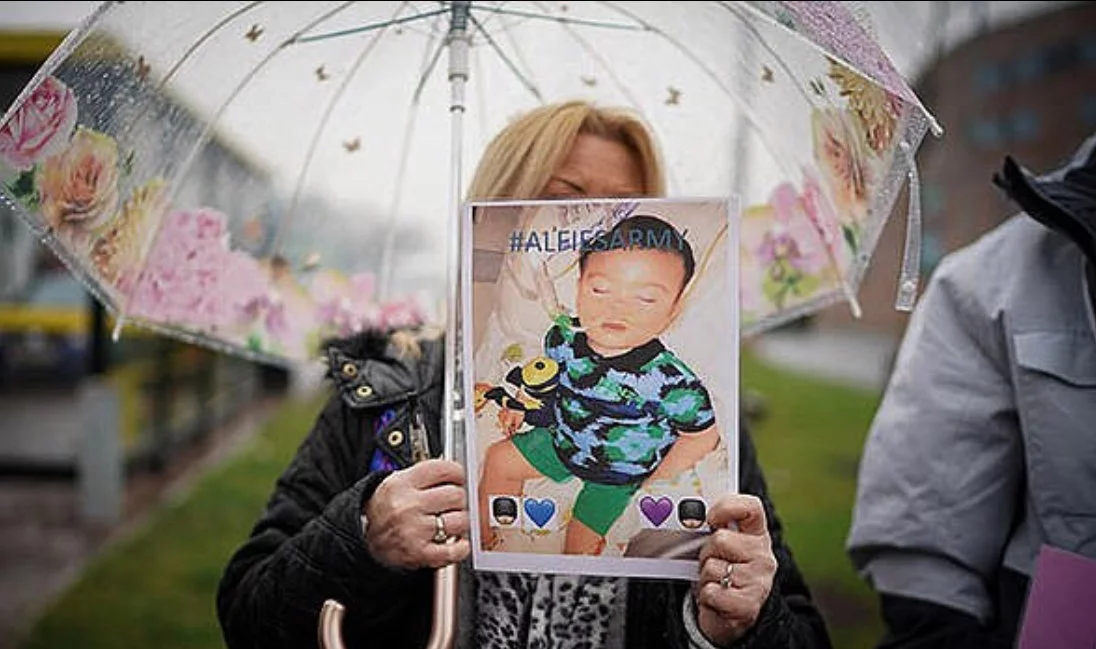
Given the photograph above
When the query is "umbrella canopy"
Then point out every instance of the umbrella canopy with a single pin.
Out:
(259, 176)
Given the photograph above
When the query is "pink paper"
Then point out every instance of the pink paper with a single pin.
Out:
(1061, 606)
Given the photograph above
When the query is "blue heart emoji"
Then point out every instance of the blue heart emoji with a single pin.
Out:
(540, 511)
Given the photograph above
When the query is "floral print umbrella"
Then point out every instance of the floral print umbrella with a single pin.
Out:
(260, 176)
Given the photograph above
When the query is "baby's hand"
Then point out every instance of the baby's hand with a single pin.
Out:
(510, 421)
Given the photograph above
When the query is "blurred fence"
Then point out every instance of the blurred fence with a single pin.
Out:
(173, 396)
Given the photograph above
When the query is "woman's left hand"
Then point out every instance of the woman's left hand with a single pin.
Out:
(737, 568)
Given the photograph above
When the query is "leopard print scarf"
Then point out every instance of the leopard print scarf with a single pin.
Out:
(533, 611)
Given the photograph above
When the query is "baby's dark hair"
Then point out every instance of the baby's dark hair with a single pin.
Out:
(644, 232)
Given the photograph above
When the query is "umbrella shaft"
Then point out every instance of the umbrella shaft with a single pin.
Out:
(443, 627)
(458, 75)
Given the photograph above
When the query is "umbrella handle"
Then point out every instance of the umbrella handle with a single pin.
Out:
(331, 616)
(442, 631)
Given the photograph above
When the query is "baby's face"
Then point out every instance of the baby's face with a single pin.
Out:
(626, 297)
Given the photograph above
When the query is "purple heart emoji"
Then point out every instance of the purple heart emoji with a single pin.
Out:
(539, 511)
(656, 511)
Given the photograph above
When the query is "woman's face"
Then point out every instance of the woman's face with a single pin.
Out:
(596, 168)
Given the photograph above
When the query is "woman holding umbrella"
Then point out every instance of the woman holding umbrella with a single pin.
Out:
(355, 518)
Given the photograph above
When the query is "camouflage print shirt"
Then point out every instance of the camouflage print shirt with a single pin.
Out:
(617, 417)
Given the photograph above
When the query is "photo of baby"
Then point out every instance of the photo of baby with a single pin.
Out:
(597, 438)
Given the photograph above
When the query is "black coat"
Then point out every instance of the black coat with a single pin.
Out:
(308, 545)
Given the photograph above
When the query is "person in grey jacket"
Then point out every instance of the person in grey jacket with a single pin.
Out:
(983, 448)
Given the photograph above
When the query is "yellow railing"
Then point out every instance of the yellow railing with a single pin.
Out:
(32, 47)
(54, 320)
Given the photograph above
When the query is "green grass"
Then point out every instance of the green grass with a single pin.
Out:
(156, 588)
(809, 443)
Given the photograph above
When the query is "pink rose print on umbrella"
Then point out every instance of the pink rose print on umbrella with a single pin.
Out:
(840, 239)
(280, 317)
(791, 251)
(751, 274)
(193, 279)
(344, 304)
(40, 127)
(348, 304)
(406, 312)
(268, 309)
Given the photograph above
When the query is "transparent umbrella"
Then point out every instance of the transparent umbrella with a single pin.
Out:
(259, 176)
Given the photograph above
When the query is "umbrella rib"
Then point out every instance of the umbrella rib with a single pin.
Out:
(589, 49)
(749, 115)
(397, 198)
(494, 14)
(747, 112)
(475, 71)
(906, 94)
(604, 64)
(192, 156)
(425, 76)
(124, 135)
(369, 27)
(559, 19)
(798, 85)
(846, 287)
(509, 33)
(322, 125)
(525, 81)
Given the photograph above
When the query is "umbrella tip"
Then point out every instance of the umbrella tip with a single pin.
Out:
(116, 333)
(935, 126)
(854, 306)
(907, 295)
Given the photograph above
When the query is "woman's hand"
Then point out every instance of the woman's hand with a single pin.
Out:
(402, 516)
(729, 601)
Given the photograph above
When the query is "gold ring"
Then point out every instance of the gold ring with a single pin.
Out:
(728, 574)
(439, 530)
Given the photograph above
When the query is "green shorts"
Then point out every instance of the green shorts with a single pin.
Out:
(598, 506)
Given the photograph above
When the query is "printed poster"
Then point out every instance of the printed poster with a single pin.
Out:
(603, 338)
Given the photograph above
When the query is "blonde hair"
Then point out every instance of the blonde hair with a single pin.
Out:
(518, 163)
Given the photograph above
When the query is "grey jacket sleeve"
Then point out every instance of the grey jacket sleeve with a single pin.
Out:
(940, 473)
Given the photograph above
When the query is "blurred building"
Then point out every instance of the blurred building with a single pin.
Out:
(1027, 90)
